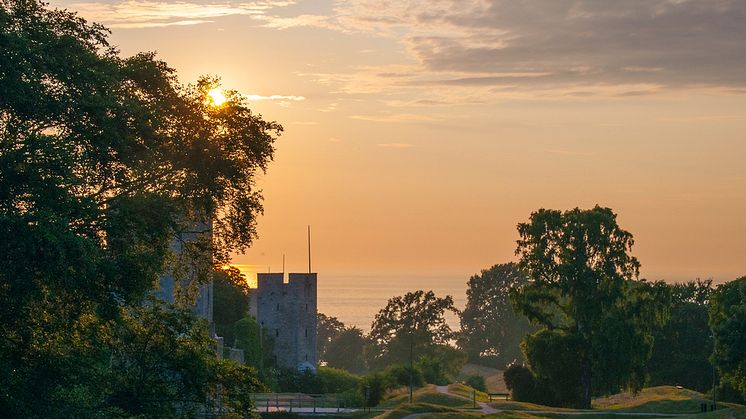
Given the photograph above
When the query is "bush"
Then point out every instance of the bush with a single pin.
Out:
(333, 380)
(727, 392)
(400, 375)
(432, 371)
(376, 385)
(521, 383)
(476, 382)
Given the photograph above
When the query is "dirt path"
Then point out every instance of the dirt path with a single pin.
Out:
(483, 407)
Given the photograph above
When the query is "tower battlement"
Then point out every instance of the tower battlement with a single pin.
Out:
(286, 311)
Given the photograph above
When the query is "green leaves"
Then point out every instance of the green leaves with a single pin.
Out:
(414, 321)
(489, 325)
(105, 162)
(728, 323)
(582, 289)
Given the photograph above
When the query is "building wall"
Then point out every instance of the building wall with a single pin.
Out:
(287, 312)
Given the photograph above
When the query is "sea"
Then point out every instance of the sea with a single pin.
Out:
(356, 299)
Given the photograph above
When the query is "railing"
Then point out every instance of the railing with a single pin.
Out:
(289, 402)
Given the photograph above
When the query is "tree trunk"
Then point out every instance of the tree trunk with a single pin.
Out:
(585, 382)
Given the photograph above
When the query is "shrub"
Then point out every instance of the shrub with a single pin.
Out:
(521, 383)
(376, 385)
(333, 380)
(400, 375)
(476, 382)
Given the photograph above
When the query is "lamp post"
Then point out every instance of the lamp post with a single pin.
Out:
(411, 365)
(714, 352)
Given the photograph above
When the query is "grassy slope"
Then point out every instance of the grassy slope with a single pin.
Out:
(428, 395)
(663, 399)
(493, 377)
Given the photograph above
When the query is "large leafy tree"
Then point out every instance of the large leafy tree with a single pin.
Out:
(491, 330)
(327, 328)
(163, 364)
(410, 325)
(230, 301)
(683, 346)
(728, 322)
(104, 163)
(582, 291)
(347, 351)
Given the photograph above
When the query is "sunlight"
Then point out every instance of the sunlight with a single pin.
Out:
(217, 96)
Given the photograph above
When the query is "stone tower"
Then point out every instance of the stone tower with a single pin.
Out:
(286, 311)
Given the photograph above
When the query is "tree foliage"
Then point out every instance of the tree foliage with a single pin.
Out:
(683, 346)
(583, 292)
(491, 330)
(410, 324)
(105, 162)
(230, 301)
(327, 328)
(347, 351)
(728, 322)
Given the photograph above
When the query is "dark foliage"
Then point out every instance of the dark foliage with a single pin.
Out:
(728, 323)
(491, 330)
(583, 292)
(230, 302)
(683, 346)
(476, 382)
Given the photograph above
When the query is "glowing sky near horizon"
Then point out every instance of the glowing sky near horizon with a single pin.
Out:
(418, 133)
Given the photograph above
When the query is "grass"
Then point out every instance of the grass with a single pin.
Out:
(493, 377)
(731, 413)
(662, 399)
(466, 392)
(406, 410)
(426, 395)
(656, 400)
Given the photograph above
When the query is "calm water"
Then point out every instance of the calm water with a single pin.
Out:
(356, 299)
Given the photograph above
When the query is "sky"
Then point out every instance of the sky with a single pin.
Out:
(419, 133)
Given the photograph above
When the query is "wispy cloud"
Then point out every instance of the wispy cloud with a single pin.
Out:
(400, 117)
(133, 14)
(275, 98)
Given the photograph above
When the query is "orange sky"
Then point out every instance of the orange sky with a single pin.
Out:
(419, 133)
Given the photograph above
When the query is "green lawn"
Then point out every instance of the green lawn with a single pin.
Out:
(663, 399)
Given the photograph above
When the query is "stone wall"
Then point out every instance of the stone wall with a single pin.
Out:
(287, 312)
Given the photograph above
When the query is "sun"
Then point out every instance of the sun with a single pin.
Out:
(217, 96)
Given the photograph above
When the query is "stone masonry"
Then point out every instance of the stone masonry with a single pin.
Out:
(286, 311)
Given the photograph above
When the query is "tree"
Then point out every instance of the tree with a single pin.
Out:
(491, 330)
(583, 292)
(327, 328)
(163, 364)
(104, 163)
(728, 322)
(247, 333)
(413, 324)
(347, 351)
(230, 301)
(683, 346)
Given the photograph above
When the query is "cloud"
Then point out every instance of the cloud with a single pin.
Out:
(281, 98)
(543, 45)
(133, 14)
(395, 145)
(401, 117)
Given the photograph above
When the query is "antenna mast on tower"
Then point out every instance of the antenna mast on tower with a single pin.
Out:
(309, 249)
